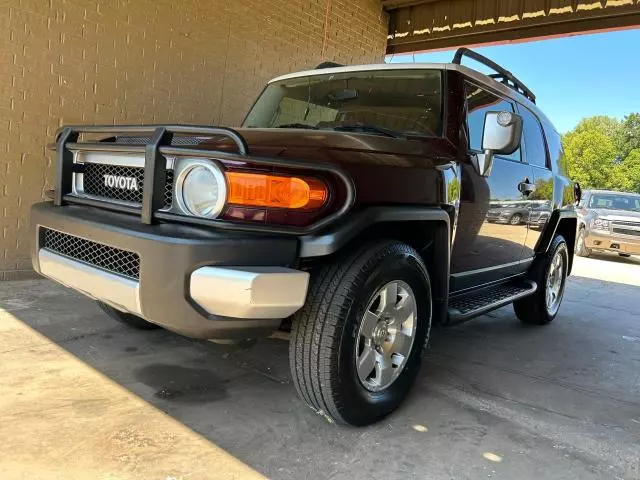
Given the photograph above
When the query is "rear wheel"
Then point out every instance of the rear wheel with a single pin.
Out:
(550, 273)
(515, 219)
(581, 248)
(356, 346)
(127, 318)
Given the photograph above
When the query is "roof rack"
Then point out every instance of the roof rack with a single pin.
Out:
(502, 75)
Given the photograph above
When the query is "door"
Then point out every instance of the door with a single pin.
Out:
(536, 154)
(492, 224)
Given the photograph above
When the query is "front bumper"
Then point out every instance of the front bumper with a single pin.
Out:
(613, 243)
(192, 280)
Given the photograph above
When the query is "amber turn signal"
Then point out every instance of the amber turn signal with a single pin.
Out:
(272, 191)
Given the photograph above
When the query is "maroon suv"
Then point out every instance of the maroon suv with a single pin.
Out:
(351, 206)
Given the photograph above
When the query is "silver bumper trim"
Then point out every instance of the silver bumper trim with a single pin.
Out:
(119, 292)
(236, 292)
(249, 292)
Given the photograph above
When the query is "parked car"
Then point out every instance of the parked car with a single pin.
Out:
(610, 222)
(515, 213)
(540, 214)
(350, 205)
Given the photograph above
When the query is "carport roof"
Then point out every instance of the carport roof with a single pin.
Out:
(416, 25)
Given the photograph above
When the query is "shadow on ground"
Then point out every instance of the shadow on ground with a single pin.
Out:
(561, 401)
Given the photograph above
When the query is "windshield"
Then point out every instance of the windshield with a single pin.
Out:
(616, 202)
(383, 102)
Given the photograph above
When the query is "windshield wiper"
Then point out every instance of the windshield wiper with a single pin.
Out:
(298, 125)
(365, 128)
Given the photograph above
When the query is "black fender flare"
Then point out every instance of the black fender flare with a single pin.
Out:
(347, 229)
(557, 216)
(561, 220)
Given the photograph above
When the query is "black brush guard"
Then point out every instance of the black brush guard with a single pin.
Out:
(155, 172)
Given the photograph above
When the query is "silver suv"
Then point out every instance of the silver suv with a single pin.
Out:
(608, 221)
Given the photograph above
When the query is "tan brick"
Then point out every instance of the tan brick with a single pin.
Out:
(81, 61)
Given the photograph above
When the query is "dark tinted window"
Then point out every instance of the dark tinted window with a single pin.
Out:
(479, 102)
(533, 139)
(556, 153)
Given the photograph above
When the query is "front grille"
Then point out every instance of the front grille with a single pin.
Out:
(94, 183)
(626, 231)
(114, 260)
(176, 141)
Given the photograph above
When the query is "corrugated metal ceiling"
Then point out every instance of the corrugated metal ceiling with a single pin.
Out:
(435, 24)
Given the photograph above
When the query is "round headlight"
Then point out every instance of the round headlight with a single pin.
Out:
(201, 189)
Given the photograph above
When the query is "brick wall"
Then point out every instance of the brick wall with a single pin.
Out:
(148, 61)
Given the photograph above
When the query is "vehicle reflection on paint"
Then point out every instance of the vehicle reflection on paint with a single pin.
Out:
(514, 212)
(539, 214)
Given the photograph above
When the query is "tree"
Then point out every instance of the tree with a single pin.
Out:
(607, 125)
(602, 152)
(628, 136)
(591, 157)
(630, 171)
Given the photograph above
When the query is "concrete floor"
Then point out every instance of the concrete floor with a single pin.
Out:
(82, 397)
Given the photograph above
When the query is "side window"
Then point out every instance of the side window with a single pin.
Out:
(479, 102)
(533, 139)
(556, 153)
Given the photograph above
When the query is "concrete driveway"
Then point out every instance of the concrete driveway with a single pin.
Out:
(84, 397)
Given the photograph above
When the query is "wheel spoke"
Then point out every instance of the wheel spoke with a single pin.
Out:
(389, 297)
(366, 362)
(401, 344)
(404, 311)
(369, 322)
(384, 369)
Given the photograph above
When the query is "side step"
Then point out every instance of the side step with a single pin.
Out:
(468, 305)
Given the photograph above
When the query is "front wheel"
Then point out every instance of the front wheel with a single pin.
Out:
(515, 219)
(581, 247)
(356, 346)
(550, 273)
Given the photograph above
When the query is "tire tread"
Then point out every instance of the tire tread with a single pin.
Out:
(318, 327)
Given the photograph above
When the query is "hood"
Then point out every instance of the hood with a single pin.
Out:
(617, 215)
(340, 147)
(385, 170)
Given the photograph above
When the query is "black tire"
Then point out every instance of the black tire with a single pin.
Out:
(128, 319)
(325, 331)
(515, 219)
(581, 248)
(533, 310)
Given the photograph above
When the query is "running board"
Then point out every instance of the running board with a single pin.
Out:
(466, 306)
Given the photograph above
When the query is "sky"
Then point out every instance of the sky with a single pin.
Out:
(572, 77)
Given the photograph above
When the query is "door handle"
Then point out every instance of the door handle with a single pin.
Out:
(526, 187)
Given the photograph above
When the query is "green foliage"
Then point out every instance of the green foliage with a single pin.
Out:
(602, 152)
(628, 136)
(544, 189)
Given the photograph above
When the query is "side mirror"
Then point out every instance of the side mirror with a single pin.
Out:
(502, 133)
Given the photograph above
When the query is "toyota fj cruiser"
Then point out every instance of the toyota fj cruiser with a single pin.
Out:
(351, 206)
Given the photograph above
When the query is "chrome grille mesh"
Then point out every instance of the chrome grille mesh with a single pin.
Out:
(114, 260)
(94, 183)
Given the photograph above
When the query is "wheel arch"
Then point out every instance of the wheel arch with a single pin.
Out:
(565, 223)
(427, 229)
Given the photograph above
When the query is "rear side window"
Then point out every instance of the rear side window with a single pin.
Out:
(479, 102)
(533, 139)
(556, 154)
